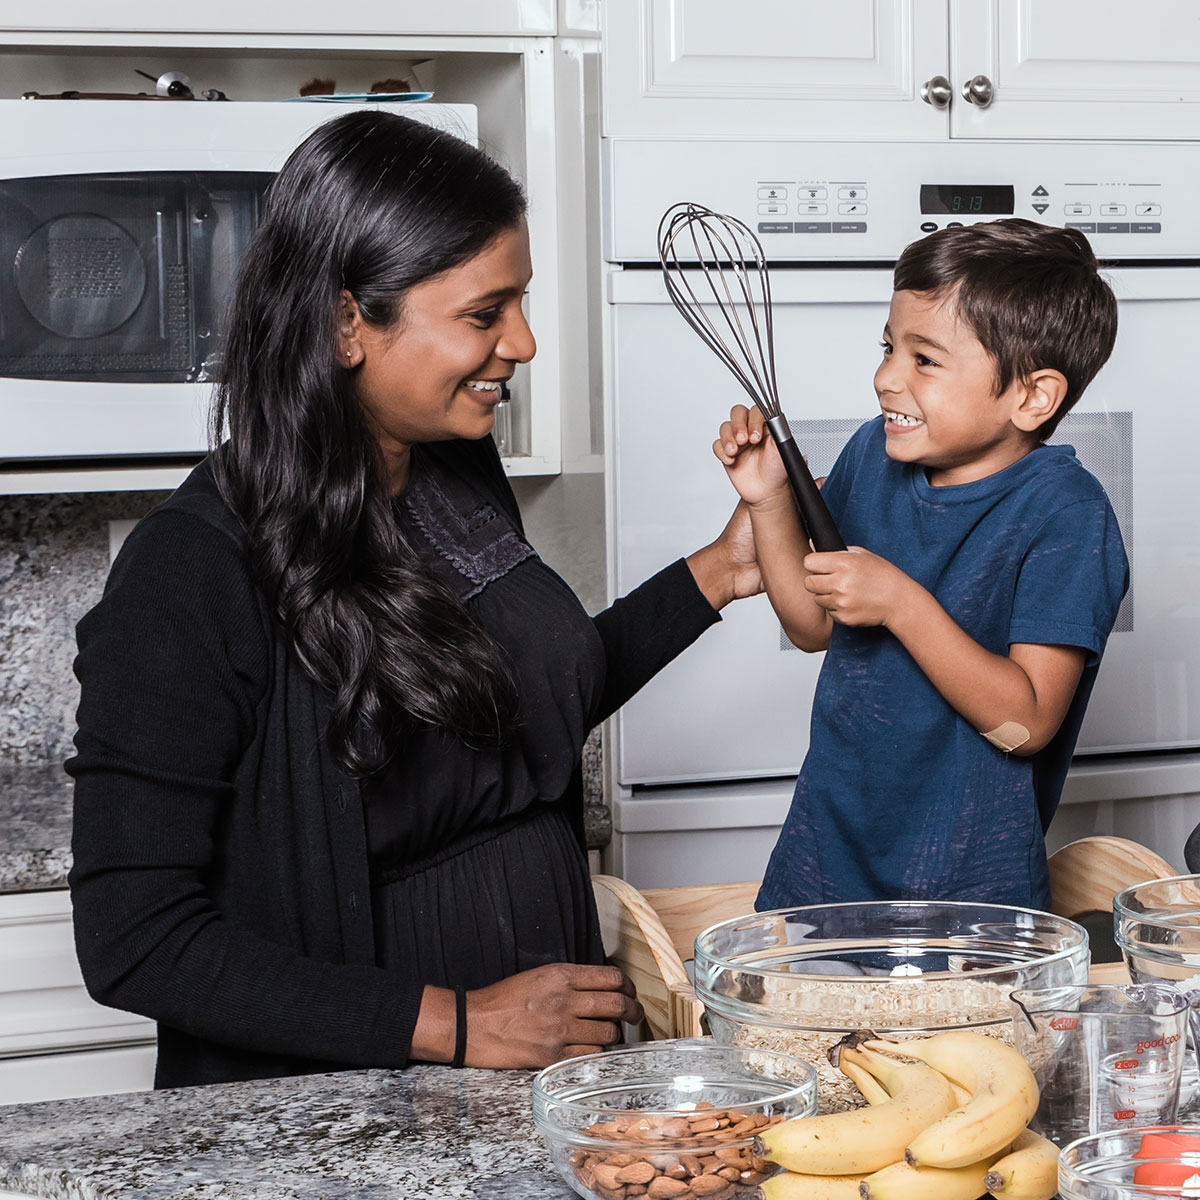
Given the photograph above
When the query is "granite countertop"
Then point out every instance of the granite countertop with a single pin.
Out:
(356, 1135)
(35, 815)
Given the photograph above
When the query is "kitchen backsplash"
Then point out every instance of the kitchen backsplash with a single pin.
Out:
(54, 559)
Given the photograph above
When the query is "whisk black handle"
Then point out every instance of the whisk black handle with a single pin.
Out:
(814, 515)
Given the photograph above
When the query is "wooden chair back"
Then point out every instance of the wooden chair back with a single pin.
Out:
(1087, 874)
(650, 936)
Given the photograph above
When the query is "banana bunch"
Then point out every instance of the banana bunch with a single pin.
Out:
(950, 1125)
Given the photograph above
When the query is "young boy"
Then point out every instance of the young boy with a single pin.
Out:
(965, 623)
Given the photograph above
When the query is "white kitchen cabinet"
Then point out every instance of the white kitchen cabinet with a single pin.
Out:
(1061, 69)
(902, 69)
(289, 16)
(772, 68)
(55, 1040)
(579, 18)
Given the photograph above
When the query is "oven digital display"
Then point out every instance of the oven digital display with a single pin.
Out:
(967, 199)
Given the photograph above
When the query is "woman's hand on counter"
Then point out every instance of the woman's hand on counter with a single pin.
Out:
(532, 1019)
(727, 569)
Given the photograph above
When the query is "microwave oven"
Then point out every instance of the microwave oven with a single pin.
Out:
(121, 226)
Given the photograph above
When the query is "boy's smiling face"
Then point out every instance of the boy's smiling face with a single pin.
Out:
(937, 388)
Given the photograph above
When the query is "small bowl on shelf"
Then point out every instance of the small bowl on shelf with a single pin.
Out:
(670, 1119)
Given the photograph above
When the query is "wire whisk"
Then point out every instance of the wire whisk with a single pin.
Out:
(716, 274)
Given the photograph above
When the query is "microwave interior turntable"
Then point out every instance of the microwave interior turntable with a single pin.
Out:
(121, 277)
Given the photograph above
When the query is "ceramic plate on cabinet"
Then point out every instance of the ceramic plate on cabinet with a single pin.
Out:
(365, 97)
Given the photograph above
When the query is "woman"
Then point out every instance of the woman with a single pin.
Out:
(328, 804)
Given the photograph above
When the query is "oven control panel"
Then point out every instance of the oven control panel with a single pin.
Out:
(822, 201)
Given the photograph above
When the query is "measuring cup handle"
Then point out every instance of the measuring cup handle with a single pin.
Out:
(1193, 998)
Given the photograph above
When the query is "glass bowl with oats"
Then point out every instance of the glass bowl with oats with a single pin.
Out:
(798, 980)
(668, 1119)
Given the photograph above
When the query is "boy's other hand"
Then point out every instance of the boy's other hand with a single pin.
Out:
(747, 452)
(857, 587)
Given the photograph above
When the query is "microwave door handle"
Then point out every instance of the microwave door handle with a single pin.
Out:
(201, 232)
(160, 266)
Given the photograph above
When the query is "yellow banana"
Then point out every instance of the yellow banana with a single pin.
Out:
(871, 1090)
(903, 1182)
(788, 1185)
(1028, 1172)
(1004, 1096)
(863, 1139)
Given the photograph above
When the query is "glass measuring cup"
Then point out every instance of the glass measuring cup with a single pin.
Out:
(1157, 927)
(1104, 1056)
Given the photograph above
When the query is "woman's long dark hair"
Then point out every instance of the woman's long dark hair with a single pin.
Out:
(372, 203)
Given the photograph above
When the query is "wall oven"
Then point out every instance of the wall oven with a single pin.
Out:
(710, 748)
(121, 226)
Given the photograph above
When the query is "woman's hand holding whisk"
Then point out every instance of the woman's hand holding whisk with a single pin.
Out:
(727, 569)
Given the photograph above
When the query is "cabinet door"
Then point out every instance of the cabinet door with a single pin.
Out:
(772, 68)
(298, 16)
(43, 1004)
(1062, 69)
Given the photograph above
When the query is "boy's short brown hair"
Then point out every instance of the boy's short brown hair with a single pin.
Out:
(1032, 294)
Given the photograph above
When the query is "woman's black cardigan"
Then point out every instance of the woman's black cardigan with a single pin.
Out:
(220, 881)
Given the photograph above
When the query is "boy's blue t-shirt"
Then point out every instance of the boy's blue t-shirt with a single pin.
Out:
(899, 797)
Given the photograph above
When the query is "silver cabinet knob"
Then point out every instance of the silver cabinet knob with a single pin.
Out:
(978, 91)
(937, 91)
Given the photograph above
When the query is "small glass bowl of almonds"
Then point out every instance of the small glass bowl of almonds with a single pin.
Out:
(670, 1120)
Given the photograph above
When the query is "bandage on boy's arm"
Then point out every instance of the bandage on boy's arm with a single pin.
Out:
(780, 545)
(1016, 701)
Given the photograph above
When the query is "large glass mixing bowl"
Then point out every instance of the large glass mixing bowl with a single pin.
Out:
(799, 979)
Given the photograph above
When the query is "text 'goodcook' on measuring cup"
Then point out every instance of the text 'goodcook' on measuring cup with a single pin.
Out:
(1105, 1056)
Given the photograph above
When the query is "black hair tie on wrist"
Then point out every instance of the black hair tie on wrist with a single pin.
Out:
(460, 1026)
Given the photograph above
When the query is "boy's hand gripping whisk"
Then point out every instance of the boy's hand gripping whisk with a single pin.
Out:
(729, 271)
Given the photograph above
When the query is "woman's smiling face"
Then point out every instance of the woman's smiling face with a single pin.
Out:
(436, 374)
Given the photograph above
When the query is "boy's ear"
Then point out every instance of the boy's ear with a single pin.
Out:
(1041, 396)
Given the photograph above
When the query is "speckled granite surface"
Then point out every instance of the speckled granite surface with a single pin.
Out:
(35, 817)
(360, 1135)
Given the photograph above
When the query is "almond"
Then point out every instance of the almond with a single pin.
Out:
(708, 1185)
(638, 1172)
(667, 1189)
(606, 1176)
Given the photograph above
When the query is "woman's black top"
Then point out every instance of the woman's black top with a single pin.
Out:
(448, 829)
(234, 883)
